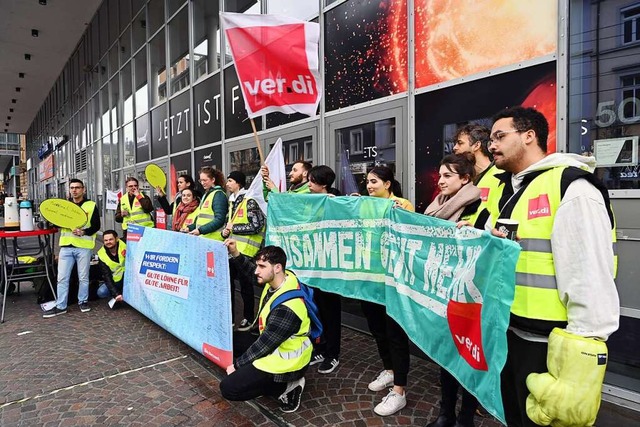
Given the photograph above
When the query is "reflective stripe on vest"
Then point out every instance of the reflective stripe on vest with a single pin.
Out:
(117, 268)
(206, 215)
(67, 238)
(295, 352)
(137, 215)
(248, 244)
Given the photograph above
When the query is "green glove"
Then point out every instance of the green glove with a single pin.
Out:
(569, 394)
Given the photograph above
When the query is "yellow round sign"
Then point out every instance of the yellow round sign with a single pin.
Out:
(155, 176)
(63, 213)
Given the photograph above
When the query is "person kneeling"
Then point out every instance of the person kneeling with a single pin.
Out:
(275, 363)
(111, 258)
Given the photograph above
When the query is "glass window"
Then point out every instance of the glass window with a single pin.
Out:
(114, 28)
(174, 5)
(116, 102)
(103, 70)
(114, 60)
(140, 82)
(359, 149)
(139, 30)
(136, 5)
(104, 29)
(104, 111)
(156, 15)
(206, 28)
(97, 129)
(631, 25)
(125, 13)
(125, 46)
(294, 8)
(179, 51)
(115, 151)
(246, 161)
(158, 69)
(129, 146)
(142, 138)
(127, 93)
(95, 40)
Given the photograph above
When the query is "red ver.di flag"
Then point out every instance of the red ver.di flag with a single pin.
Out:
(276, 59)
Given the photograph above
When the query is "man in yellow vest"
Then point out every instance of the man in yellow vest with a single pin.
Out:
(75, 248)
(474, 139)
(274, 364)
(246, 223)
(111, 258)
(566, 303)
(134, 208)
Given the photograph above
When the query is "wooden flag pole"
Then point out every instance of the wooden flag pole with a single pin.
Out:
(255, 135)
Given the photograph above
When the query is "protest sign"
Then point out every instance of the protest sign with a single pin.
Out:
(450, 289)
(181, 282)
(63, 213)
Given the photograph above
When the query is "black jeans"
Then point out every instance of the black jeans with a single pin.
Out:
(449, 394)
(330, 308)
(523, 358)
(248, 382)
(392, 341)
(246, 292)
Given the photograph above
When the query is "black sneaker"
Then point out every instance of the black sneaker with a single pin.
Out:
(290, 399)
(53, 312)
(316, 358)
(328, 366)
(244, 325)
(84, 307)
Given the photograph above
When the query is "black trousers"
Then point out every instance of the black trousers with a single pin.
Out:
(330, 308)
(248, 382)
(449, 394)
(391, 339)
(246, 292)
(523, 358)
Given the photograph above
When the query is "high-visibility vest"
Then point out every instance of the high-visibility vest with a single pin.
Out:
(295, 352)
(537, 305)
(206, 215)
(137, 215)
(67, 238)
(248, 244)
(303, 189)
(117, 268)
(191, 218)
(489, 190)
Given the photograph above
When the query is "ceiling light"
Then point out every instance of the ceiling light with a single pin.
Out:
(6, 130)
(11, 110)
(27, 57)
(17, 89)
(43, 2)
(34, 33)
(8, 117)
(13, 101)
(6, 124)
(21, 75)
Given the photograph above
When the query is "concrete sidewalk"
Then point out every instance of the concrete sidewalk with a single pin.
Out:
(115, 367)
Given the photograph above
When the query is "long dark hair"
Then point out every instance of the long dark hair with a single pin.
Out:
(192, 185)
(386, 174)
(463, 164)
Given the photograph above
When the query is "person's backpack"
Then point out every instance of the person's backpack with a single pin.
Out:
(306, 293)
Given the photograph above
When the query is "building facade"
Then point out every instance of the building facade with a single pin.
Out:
(153, 82)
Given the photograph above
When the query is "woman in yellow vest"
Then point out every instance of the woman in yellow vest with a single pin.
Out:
(459, 200)
(213, 207)
(391, 339)
(274, 364)
(184, 181)
(186, 211)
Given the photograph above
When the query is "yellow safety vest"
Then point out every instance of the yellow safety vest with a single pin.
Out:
(206, 215)
(67, 238)
(295, 352)
(137, 215)
(117, 268)
(191, 218)
(536, 294)
(248, 244)
(489, 189)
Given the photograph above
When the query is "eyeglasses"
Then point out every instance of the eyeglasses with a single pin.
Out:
(498, 135)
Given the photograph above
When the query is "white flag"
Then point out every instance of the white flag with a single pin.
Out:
(112, 200)
(277, 173)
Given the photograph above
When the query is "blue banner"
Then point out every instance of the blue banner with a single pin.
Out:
(181, 282)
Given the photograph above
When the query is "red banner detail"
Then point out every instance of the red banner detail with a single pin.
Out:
(222, 358)
(161, 219)
(211, 271)
(465, 325)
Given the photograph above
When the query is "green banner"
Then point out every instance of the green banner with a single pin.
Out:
(450, 289)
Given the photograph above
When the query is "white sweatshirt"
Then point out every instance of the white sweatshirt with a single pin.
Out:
(582, 253)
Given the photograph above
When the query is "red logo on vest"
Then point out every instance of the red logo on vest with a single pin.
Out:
(240, 213)
(484, 193)
(539, 207)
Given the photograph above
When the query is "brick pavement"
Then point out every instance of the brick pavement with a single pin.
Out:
(118, 368)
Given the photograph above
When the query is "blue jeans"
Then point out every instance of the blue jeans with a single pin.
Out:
(70, 255)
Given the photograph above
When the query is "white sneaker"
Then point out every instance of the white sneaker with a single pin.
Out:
(384, 380)
(391, 404)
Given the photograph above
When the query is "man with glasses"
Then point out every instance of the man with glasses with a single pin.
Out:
(134, 208)
(75, 248)
(566, 304)
(474, 139)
